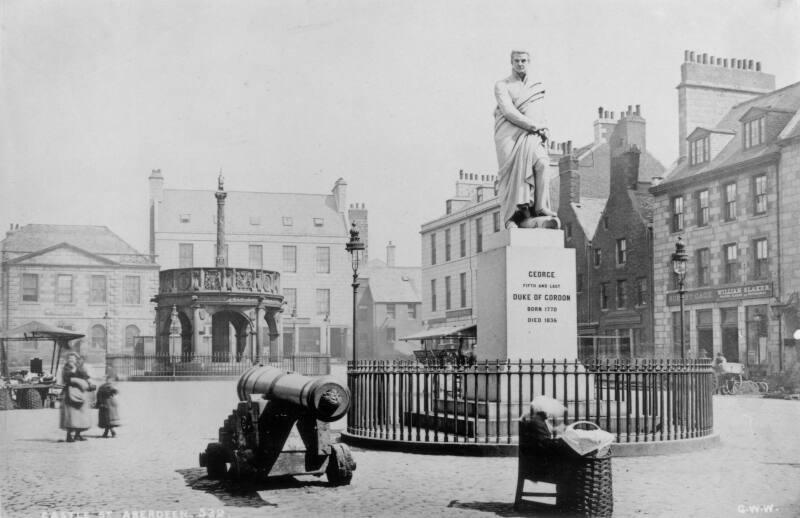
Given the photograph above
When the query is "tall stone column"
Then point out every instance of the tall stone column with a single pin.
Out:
(221, 195)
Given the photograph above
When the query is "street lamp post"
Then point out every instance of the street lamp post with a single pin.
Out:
(679, 260)
(108, 333)
(356, 249)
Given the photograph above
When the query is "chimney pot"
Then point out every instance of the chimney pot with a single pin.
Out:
(750, 65)
(612, 115)
(758, 66)
(725, 62)
(685, 55)
(705, 58)
(638, 109)
(691, 55)
(600, 112)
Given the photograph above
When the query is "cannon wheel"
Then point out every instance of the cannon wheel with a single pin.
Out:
(29, 398)
(340, 465)
(240, 469)
(215, 461)
(6, 403)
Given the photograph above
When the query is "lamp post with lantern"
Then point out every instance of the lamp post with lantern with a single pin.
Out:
(355, 247)
(679, 260)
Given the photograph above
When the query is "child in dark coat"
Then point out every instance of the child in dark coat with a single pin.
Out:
(108, 415)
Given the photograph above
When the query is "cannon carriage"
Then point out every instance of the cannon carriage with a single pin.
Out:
(256, 439)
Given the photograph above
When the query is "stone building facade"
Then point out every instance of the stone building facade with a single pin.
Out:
(389, 307)
(732, 198)
(302, 237)
(83, 278)
(450, 244)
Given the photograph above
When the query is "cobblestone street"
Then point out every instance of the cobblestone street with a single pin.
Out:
(153, 466)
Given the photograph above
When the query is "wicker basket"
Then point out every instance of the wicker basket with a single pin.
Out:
(583, 484)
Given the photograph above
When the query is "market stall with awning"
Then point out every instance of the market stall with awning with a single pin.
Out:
(37, 331)
(454, 343)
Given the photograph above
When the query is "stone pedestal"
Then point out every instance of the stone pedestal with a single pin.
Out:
(526, 289)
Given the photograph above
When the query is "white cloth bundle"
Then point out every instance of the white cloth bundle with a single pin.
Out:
(585, 442)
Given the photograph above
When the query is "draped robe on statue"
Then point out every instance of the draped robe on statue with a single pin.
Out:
(520, 153)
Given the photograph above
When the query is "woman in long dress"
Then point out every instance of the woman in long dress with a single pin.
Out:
(75, 416)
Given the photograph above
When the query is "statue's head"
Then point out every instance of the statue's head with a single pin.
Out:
(520, 60)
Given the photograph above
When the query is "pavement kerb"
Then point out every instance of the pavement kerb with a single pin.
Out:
(639, 449)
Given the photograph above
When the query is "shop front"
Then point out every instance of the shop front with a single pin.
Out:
(734, 320)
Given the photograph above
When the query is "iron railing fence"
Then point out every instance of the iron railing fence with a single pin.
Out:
(638, 401)
(124, 366)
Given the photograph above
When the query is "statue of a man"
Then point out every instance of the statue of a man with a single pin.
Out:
(520, 136)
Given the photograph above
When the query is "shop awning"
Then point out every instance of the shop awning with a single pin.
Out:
(35, 330)
(436, 332)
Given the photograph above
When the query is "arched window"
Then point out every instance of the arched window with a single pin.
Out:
(99, 337)
(131, 332)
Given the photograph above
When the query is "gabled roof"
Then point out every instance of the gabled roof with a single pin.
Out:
(595, 167)
(755, 111)
(588, 212)
(60, 246)
(395, 284)
(786, 101)
(700, 130)
(252, 212)
(96, 240)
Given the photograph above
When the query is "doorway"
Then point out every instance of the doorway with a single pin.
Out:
(730, 334)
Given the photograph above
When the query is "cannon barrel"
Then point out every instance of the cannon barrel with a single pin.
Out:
(325, 397)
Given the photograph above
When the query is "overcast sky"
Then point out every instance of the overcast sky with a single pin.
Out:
(288, 96)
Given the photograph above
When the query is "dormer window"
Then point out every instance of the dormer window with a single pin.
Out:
(699, 151)
(753, 132)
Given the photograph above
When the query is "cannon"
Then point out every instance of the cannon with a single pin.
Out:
(272, 402)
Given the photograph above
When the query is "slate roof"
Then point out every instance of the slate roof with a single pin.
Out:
(97, 240)
(588, 212)
(243, 209)
(786, 99)
(396, 284)
(792, 128)
(595, 171)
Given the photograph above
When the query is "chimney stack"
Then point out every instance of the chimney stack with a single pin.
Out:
(706, 94)
(390, 249)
